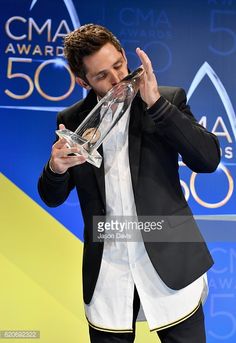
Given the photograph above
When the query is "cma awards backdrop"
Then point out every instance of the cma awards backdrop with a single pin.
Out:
(192, 44)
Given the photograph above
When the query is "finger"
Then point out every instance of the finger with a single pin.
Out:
(146, 62)
(62, 127)
(66, 151)
(71, 161)
(60, 143)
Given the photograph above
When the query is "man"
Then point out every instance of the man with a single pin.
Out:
(139, 176)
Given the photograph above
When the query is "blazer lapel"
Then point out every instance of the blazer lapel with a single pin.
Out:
(89, 103)
(100, 176)
(135, 131)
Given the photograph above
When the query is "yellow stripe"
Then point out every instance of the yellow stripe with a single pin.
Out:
(152, 330)
(177, 321)
(109, 330)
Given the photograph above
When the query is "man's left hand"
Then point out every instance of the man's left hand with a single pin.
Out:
(148, 87)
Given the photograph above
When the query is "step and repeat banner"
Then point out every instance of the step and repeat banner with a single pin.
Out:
(192, 44)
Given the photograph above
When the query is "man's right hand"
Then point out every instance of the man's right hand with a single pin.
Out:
(60, 161)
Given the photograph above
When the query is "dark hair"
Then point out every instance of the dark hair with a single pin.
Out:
(85, 41)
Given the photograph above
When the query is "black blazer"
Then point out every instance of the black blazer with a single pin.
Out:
(156, 137)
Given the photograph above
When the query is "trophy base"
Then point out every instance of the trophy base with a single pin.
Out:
(73, 140)
(95, 158)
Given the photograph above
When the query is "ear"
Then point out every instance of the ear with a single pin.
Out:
(82, 83)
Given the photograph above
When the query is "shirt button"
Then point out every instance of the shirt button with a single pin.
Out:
(103, 211)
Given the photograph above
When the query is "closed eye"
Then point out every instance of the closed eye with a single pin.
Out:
(118, 65)
(101, 76)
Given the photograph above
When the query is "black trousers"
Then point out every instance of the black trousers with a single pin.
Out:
(191, 330)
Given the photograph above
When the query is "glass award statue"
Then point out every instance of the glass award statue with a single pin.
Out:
(91, 133)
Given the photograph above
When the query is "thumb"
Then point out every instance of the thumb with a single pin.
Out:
(61, 127)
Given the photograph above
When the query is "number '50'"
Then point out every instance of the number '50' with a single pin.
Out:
(36, 82)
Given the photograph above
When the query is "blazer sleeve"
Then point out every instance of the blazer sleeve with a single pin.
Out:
(54, 188)
(175, 122)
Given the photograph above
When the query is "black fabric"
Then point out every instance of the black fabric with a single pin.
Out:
(191, 330)
(97, 336)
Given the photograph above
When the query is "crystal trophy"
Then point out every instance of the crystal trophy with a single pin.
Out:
(93, 130)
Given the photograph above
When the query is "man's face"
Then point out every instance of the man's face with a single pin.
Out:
(105, 68)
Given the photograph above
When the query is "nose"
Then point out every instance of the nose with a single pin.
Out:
(114, 78)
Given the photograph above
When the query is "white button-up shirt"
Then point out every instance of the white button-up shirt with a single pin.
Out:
(126, 265)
